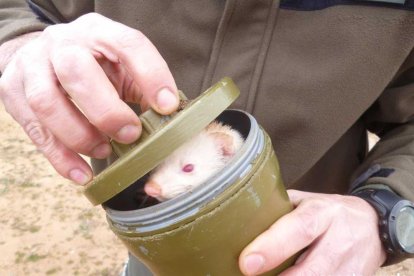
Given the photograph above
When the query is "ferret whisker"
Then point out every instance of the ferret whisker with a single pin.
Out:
(142, 204)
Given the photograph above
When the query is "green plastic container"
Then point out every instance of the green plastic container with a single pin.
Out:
(201, 232)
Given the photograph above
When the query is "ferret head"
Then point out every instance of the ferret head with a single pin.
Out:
(194, 162)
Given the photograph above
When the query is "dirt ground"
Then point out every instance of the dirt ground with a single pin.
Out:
(47, 227)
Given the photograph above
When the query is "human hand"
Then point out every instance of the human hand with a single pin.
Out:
(339, 234)
(68, 86)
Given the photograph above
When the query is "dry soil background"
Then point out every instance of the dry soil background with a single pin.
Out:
(48, 228)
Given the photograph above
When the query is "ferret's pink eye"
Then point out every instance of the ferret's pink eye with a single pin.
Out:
(188, 168)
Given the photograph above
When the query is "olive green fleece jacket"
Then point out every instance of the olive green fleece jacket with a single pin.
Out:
(316, 80)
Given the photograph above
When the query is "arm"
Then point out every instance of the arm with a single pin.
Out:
(391, 161)
(16, 18)
(18, 25)
(67, 88)
(23, 20)
(9, 48)
(339, 234)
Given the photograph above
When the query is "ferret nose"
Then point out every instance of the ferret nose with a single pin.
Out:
(152, 189)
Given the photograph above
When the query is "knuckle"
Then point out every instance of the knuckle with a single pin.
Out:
(40, 102)
(337, 207)
(67, 61)
(23, 53)
(308, 219)
(90, 23)
(58, 36)
(42, 138)
(308, 226)
(92, 16)
(79, 146)
(101, 120)
(28, 55)
(51, 32)
(45, 142)
(336, 198)
(82, 142)
(23, 57)
(56, 156)
(52, 153)
(131, 38)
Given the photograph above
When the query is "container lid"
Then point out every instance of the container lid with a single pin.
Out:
(161, 135)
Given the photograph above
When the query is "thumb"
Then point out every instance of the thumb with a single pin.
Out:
(296, 197)
(162, 98)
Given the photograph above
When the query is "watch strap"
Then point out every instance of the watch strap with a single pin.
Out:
(384, 201)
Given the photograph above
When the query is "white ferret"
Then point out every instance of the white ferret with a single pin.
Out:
(194, 162)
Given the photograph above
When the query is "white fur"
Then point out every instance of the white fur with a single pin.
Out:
(204, 152)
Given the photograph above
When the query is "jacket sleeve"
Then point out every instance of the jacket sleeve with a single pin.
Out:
(391, 117)
(18, 17)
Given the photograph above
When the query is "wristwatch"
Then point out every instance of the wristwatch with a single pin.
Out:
(396, 222)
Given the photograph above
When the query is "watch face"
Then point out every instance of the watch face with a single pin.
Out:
(405, 228)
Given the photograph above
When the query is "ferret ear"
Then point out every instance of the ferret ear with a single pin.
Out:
(225, 142)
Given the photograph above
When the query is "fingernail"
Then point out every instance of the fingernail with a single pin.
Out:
(101, 151)
(128, 133)
(166, 100)
(79, 176)
(253, 264)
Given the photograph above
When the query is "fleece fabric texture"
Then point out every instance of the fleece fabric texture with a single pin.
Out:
(315, 80)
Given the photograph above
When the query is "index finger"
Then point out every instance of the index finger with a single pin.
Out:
(120, 43)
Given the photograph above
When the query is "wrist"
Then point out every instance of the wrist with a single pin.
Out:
(395, 221)
(9, 48)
